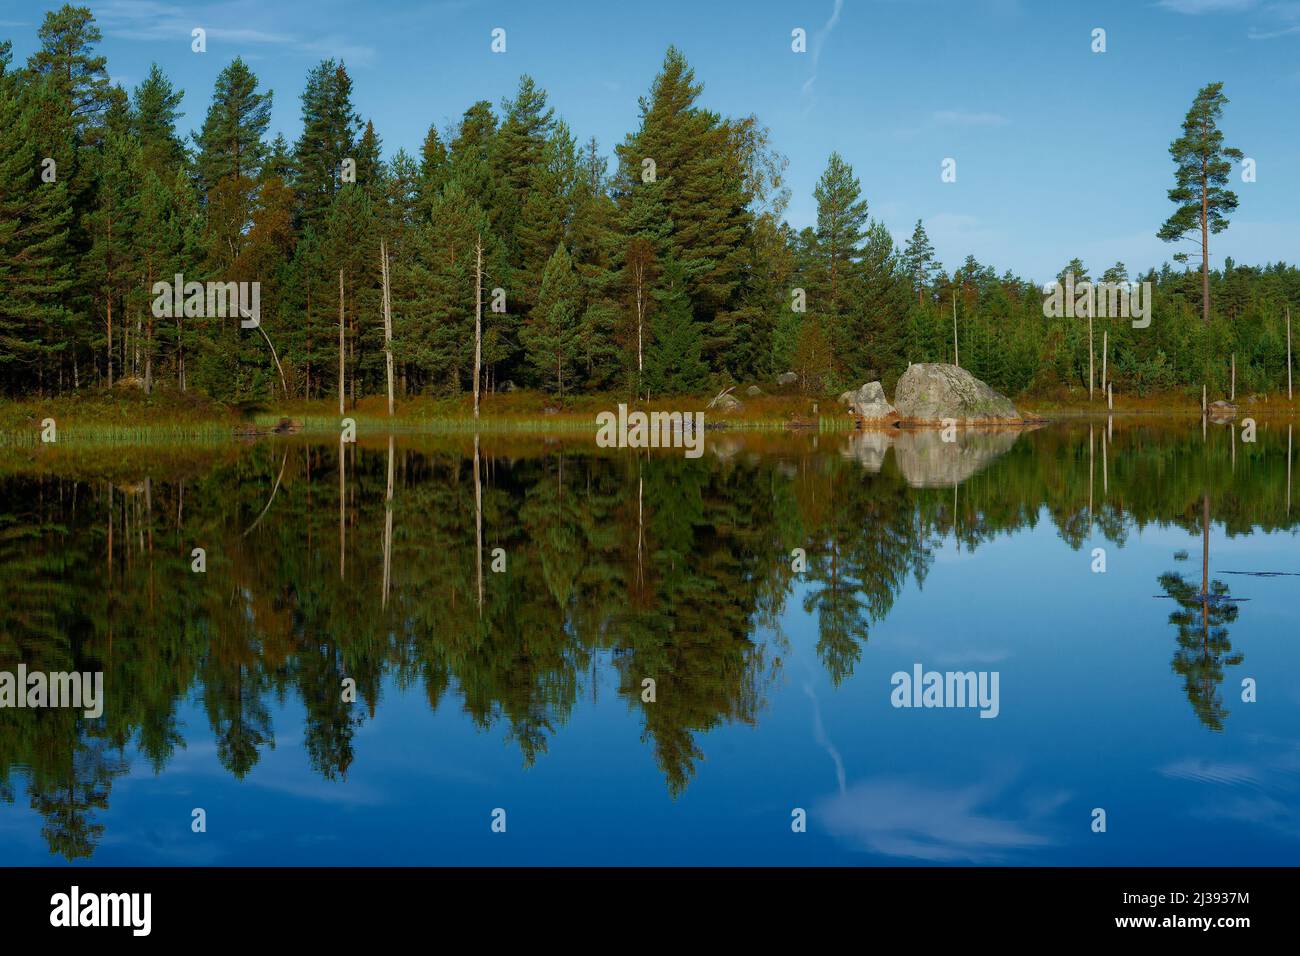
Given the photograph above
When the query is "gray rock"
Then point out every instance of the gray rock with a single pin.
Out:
(868, 447)
(753, 391)
(931, 392)
(1222, 411)
(925, 460)
(869, 403)
(787, 378)
(727, 403)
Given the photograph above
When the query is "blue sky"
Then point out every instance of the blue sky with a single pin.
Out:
(1060, 151)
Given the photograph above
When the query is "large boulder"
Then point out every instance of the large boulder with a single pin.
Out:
(869, 403)
(931, 392)
(787, 378)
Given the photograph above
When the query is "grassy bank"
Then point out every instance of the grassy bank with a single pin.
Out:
(127, 416)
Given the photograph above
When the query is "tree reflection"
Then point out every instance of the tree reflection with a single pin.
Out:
(1203, 646)
(326, 564)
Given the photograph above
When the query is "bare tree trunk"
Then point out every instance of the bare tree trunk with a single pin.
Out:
(284, 384)
(478, 316)
(388, 525)
(343, 534)
(342, 381)
(388, 329)
(1205, 543)
(1090, 354)
(1105, 349)
(956, 358)
(110, 342)
(1205, 250)
(640, 321)
(1289, 396)
(478, 514)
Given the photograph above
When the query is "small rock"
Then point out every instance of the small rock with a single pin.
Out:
(753, 391)
(787, 378)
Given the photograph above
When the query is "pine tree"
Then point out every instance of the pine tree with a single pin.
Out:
(1200, 182)
(841, 227)
(67, 36)
(700, 165)
(230, 143)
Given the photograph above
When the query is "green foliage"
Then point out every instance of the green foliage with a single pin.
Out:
(747, 296)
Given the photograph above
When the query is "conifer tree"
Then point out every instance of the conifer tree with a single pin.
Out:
(1203, 166)
(674, 363)
(36, 270)
(329, 136)
(551, 334)
(919, 260)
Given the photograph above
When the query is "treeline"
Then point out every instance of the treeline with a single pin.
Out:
(669, 270)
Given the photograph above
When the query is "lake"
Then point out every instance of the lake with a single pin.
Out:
(528, 650)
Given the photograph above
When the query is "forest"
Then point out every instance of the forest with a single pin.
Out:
(511, 253)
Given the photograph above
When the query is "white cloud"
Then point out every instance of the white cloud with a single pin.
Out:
(152, 20)
(1198, 7)
(903, 819)
(819, 41)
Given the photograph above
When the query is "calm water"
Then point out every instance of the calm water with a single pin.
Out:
(522, 689)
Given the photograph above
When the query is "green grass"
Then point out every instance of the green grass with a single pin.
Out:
(124, 416)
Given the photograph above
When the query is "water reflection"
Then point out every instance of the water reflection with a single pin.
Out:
(1201, 619)
(506, 575)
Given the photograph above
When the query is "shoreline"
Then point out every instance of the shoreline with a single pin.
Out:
(170, 417)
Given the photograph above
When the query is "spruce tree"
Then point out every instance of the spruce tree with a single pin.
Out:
(551, 336)
(919, 260)
(156, 110)
(674, 363)
(36, 270)
(329, 136)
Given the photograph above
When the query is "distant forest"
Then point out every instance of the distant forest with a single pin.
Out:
(670, 271)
